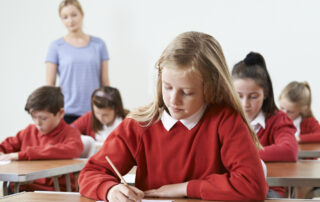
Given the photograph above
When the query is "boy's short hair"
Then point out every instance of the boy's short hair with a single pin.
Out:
(49, 98)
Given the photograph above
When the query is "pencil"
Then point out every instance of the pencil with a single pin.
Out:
(116, 170)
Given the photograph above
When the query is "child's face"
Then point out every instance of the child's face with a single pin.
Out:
(289, 108)
(251, 96)
(106, 116)
(182, 92)
(46, 121)
(71, 17)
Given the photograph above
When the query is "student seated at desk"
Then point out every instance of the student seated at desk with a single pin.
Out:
(274, 128)
(192, 141)
(48, 138)
(295, 100)
(106, 114)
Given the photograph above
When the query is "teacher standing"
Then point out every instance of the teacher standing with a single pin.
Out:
(80, 60)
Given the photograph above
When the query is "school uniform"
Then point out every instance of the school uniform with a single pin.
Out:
(309, 129)
(84, 125)
(276, 135)
(62, 143)
(212, 150)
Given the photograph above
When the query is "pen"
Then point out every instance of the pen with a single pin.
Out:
(117, 172)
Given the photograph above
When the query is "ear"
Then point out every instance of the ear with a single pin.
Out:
(61, 113)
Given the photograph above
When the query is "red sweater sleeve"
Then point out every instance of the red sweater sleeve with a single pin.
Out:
(244, 179)
(97, 177)
(310, 130)
(280, 144)
(64, 145)
(83, 124)
(12, 144)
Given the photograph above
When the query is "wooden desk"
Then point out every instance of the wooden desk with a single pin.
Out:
(309, 150)
(304, 173)
(24, 171)
(45, 197)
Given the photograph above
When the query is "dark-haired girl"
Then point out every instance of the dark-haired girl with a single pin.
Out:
(274, 128)
(107, 113)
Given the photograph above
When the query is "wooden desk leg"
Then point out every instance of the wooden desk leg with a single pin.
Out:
(16, 187)
(5, 188)
(56, 183)
(69, 189)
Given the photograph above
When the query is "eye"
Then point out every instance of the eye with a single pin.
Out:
(187, 93)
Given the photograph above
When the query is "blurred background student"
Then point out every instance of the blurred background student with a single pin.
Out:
(48, 138)
(295, 100)
(80, 60)
(274, 128)
(106, 114)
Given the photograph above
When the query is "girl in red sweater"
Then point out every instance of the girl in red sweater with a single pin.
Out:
(193, 140)
(295, 100)
(107, 113)
(274, 128)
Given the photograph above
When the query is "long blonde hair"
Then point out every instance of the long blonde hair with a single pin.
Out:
(203, 54)
(300, 94)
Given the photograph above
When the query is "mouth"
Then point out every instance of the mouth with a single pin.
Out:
(176, 110)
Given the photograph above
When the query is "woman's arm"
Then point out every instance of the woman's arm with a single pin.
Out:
(105, 73)
(51, 73)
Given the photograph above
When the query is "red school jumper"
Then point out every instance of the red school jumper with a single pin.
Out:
(216, 157)
(84, 124)
(278, 141)
(63, 142)
(310, 130)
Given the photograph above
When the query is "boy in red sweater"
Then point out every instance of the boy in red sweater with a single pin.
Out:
(192, 141)
(48, 138)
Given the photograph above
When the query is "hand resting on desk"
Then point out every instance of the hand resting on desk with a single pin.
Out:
(169, 191)
(7, 157)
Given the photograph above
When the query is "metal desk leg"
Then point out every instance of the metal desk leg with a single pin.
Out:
(76, 176)
(5, 188)
(16, 187)
(56, 183)
(69, 189)
(289, 192)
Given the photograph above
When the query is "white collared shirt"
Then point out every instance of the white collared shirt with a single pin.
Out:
(259, 122)
(102, 135)
(297, 123)
(190, 122)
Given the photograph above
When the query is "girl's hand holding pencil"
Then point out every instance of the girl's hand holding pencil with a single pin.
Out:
(123, 192)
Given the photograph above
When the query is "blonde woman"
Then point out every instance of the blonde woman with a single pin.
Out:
(192, 141)
(80, 60)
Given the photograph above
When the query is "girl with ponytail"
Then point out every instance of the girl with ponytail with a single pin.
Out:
(273, 127)
(295, 100)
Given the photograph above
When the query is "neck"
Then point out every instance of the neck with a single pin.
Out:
(76, 34)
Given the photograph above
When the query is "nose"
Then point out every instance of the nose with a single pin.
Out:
(175, 98)
(37, 122)
(245, 102)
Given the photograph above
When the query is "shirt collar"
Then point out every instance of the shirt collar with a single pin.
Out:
(260, 120)
(190, 122)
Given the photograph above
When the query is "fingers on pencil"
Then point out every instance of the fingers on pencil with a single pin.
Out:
(132, 193)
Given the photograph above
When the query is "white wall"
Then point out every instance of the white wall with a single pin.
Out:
(136, 32)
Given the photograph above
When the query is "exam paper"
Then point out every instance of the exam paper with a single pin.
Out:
(4, 162)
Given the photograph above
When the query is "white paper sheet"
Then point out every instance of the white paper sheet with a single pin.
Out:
(4, 162)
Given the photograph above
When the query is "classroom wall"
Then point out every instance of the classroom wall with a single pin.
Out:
(136, 32)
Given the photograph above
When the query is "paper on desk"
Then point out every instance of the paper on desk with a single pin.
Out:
(147, 200)
(4, 162)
